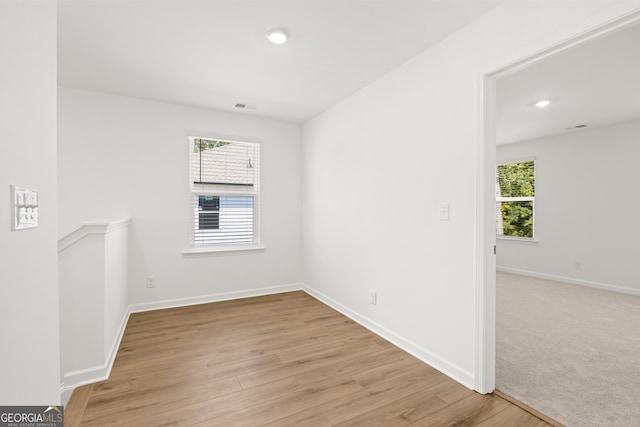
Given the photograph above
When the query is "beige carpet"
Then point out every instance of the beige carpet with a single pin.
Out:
(571, 352)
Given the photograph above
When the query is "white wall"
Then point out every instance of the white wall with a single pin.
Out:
(116, 285)
(94, 298)
(377, 165)
(586, 208)
(29, 359)
(123, 157)
(82, 306)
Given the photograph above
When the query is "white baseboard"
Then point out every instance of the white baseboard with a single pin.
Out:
(101, 373)
(96, 373)
(224, 296)
(587, 283)
(81, 377)
(113, 352)
(460, 375)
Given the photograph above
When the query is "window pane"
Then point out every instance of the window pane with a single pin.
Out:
(517, 219)
(222, 166)
(517, 179)
(208, 213)
(234, 220)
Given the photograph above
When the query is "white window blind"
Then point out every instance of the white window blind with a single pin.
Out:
(224, 182)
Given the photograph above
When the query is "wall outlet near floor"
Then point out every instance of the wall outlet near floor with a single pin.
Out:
(443, 209)
(578, 265)
(151, 282)
(373, 297)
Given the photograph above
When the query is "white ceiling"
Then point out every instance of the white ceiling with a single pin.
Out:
(215, 54)
(596, 83)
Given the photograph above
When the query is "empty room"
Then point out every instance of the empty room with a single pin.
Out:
(568, 295)
(272, 212)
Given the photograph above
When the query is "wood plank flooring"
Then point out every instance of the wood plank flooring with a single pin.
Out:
(277, 360)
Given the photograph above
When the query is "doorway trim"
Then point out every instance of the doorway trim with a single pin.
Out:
(615, 17)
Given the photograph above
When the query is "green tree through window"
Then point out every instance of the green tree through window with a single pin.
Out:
(200, 144)
(515, 197)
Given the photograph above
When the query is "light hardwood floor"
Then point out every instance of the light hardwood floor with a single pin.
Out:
(278, 360)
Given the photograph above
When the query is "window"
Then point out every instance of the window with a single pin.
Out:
(208, 213)
(224, 184)
(515, 199)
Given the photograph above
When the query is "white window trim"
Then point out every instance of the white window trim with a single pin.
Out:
(519, 239)
(224, 250)
(515, 199)
(516, 160)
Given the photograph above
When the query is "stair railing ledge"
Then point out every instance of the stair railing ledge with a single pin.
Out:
(88, 228)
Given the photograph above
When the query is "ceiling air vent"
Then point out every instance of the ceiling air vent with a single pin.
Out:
(576, 127)
(245, 106)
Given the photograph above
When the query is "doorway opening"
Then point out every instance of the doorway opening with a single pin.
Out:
(490, 80)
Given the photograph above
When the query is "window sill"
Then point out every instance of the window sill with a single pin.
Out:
(517, 240)
(223, 250)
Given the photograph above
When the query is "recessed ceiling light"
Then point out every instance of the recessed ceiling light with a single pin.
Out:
(278, 35)
(543, 103)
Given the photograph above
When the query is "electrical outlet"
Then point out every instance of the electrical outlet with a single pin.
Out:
(578, 265)
(443, 208)
(373, 297)
(151, 282)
